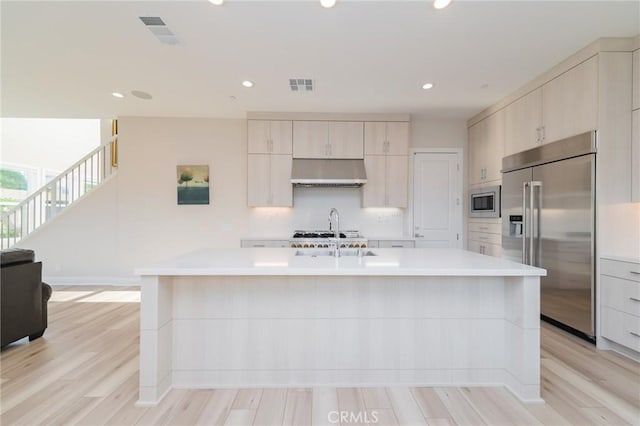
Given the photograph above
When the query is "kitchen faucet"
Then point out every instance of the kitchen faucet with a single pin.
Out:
(333, 211)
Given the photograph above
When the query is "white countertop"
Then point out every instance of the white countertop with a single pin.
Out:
(388, 262)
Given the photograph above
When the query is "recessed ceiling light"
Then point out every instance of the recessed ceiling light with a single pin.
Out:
(247, 83)
(427, 86)
(441, 4)
(117, 95)
(216, 2)
(328, 3)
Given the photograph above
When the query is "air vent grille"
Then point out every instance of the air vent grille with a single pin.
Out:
(152, 20)
(301, 84)
(158, 28)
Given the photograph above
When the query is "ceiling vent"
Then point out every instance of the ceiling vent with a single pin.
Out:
(158, 28)
(301, 84)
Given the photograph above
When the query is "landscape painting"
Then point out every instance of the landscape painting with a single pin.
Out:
(193, 184)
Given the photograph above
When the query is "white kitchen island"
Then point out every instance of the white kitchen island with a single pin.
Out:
(268, 318)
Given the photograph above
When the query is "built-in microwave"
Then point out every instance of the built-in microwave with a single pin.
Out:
(484, 202)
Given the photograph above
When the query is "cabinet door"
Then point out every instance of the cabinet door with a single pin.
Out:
(258, 180)
(570, 102)
(310, 139)
(375, 138)
(474, 246)
(398, 138)
(523, 120)
(636, 79)
(346, 139)
(397, 172)
(281, 188)
(374, 191)
(476, 140)
(635, 157)
(493, 146)
(258, 136)
(281, 135)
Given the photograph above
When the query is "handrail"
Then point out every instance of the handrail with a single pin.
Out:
(45, 203)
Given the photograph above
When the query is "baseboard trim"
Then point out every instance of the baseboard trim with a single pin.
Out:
(93, 281)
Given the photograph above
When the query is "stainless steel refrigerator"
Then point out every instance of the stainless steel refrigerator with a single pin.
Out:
(548, 220)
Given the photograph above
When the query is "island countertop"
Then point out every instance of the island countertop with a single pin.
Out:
(387, 262)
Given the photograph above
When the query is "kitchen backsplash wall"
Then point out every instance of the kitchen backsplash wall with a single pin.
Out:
(311, 211)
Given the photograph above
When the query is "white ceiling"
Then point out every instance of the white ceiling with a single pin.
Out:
(63, 59)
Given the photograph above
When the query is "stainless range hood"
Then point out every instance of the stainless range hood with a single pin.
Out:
(317, 172)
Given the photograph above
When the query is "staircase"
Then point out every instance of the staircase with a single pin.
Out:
(63, 191)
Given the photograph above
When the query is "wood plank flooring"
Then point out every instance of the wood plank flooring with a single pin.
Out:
(85, 372)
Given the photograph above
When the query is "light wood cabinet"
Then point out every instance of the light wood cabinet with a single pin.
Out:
(269, 180)
(264, 243)
(570, 102)
(346, 139)
(486, 149)
(523, 123)
(635, 156)
(386, 138)
(269, 137)
(636, 79)
(485, 237)
(386, 181)
(328, 139)
(310, 139)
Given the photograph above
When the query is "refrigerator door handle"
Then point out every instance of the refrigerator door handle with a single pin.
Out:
(535, 245)
(525, 222)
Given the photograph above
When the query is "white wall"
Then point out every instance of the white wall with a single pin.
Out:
(134, 219)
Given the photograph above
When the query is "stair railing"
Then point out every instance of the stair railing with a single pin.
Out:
(62, 191)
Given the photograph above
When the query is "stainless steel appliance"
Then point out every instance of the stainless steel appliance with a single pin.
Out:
(328, 172)
(548, 210)
(325, 238)
(484, 202)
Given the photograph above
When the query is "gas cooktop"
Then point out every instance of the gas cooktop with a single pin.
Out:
(325, 234)
(322, 239)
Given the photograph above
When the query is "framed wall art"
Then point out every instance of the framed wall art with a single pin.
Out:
(193, 185)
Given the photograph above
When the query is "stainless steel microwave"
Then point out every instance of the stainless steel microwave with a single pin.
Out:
(485, 202)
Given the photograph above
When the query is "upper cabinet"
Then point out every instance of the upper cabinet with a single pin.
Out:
(386, 138)
(486, 149)
(387, 180)
(523, 123)
(636, 79)
(269, 137)
(570, 102)
(328, 139)
(269, 180)
(386, 148)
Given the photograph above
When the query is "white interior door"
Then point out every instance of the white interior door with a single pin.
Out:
(437, 199)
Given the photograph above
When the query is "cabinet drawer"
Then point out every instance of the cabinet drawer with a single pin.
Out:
(264, 243)
(619, 269)
(490, 228)
(620, 327)
(396, 244)
(486, 238)
(620, 294)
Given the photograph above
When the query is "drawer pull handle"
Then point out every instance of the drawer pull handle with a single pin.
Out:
(634, 334)
(634, 272)
(400, 246)
(635, 299)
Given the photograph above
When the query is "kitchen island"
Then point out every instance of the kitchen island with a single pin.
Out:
(273, 318)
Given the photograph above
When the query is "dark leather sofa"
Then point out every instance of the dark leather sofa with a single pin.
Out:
(23, 296)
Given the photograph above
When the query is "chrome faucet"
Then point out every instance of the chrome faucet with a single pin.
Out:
(333, 211)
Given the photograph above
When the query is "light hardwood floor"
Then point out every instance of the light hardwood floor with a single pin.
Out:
(85, 371)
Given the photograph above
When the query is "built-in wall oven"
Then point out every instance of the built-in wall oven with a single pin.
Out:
(484, 202)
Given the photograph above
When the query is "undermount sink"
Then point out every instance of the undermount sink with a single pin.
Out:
(343, 252)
